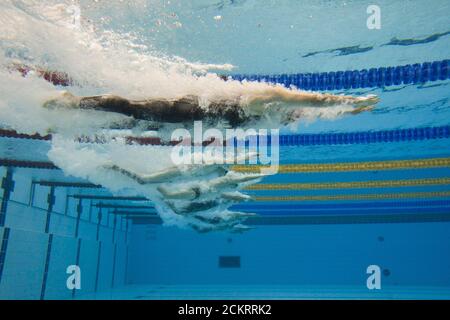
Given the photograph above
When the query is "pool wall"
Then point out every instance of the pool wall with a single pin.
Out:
(41, 237)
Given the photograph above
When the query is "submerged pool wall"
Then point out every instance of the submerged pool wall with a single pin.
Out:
(44, 230)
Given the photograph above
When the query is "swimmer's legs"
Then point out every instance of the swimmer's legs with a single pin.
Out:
(157, 177)
(163, 110)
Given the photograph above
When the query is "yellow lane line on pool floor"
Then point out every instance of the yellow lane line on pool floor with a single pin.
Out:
(351, 185)
(350, 166)
(373, 196)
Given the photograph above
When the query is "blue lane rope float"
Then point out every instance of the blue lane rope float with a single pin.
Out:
(366, 78)
(361, 137)
(396, 135)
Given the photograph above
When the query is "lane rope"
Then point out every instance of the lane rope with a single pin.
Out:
(350, 166)
(351, 185)
(366, 78)
(371, 196)
(361, 137)
(290, 168)
(27, 164)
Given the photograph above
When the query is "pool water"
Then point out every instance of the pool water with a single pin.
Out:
(333, 209)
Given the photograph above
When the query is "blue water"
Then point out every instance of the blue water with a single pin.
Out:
(317, 248)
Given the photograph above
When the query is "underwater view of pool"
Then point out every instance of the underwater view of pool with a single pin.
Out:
(224, 149)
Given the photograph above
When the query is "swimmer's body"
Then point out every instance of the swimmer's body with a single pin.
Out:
(236, 111)
(240, 109)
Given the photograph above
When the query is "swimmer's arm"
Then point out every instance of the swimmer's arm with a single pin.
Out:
(271, 93)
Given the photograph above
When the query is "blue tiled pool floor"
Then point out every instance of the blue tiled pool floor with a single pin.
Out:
(213, 292)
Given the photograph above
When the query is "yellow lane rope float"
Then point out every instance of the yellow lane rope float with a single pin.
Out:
(351, 184)
(372, 196)
(351, 166)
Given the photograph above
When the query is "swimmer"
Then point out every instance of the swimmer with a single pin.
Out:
(201, 193)
(216, 179)
(239, 111)
(244, 108)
